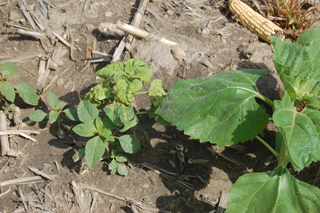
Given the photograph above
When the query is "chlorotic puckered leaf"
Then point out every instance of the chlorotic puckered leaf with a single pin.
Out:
(219, 108)
(156, 93)
(110, 70)
(272, 192)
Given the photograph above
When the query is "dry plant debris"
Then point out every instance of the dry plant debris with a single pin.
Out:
(254, 21)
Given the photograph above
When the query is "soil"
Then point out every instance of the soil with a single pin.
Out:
(224, 48)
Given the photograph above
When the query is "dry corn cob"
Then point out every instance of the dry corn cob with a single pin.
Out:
(254, 21)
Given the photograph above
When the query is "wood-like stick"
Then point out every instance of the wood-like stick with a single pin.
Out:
(136, 23)
(4, 138)
(142, 34)
(16, 132)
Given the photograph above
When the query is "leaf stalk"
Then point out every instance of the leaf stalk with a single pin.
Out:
(265, 99)
(269, 147)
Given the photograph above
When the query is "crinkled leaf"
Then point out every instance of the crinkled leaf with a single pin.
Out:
(71, 114)
(122, 93)
(156, 93)
(27, 93)
(52, 99)
(113, 166)
(219, 108)
(136, 68)
(121, 158)
(107, 134)
(272, 192)
(110, 70)
(107, 123)
(300, 132)
(134, 86)
(98, 93)
(122, 169)
(53, 115)
(8, 70)
(85, 129)
(94, 150)
(7, 90)
(37, 115)
(79, 154)
(87, 112)
(129, 143)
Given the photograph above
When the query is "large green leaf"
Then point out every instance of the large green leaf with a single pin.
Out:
(300, 132)
(94, 150)
(7, 90)
(130, 143)
(272, 192)
(52, 99)
(220, 108)
(53, 115)
(37, 115)
(71, 114)
(87, 112)
(27, 93)
(85, 129)
(298, 68)
(8, 70)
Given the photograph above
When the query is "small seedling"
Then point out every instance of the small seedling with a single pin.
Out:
(54, 114)
(222, 109)
(8, 91)
(103, 132)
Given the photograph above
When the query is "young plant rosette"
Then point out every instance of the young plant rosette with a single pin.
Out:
(222, 109)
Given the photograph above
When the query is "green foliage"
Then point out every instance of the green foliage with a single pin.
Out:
(126, 78)
(222, 109)
(122, 81)
(218, 108)
(54, 114)
(9, 70)
(117, 115)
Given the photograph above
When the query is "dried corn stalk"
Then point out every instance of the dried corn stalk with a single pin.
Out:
(254, 21)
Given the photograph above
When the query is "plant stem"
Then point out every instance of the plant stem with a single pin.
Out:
(145, 112)
(141, 93)
(265, 99)
(283, 155)
(269, 147)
